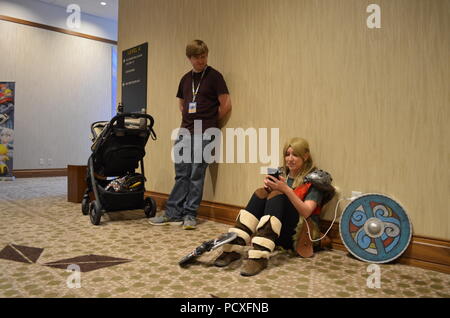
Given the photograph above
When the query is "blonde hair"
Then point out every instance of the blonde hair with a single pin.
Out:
(196, 47)
(301, 149)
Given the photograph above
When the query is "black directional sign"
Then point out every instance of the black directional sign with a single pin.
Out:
(134, 78)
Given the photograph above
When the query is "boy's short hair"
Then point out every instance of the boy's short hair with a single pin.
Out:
(196, 47)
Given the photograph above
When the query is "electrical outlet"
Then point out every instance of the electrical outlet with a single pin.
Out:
(41, 161)
(355, 194)
(338, 191)
(49, 162)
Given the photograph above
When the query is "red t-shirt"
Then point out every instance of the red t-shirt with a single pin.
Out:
(301, 191)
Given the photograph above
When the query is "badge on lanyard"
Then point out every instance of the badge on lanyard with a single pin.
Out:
(193, 105)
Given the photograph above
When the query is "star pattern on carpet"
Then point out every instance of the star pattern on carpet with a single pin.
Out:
(86, 263)
(19, 253)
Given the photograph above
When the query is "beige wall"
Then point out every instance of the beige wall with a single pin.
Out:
(374, 103)
(63, 84)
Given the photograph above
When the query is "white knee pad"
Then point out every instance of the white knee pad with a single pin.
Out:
(275, 223)
(248, 219)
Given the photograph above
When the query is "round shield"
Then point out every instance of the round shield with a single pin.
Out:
(375, 228)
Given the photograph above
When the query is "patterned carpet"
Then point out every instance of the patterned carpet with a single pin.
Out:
(42, 234)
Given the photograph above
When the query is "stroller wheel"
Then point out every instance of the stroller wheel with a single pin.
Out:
(94, 213)
(149, 207)
(85, 205)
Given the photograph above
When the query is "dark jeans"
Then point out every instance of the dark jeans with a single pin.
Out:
(187, 192)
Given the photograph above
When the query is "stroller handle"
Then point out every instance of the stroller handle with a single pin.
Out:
(121, 117)
(132, 115)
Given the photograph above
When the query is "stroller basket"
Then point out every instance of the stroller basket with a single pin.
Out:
(116, 201)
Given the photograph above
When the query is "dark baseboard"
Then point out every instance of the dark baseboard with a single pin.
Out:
(428, 253)
(39, 173)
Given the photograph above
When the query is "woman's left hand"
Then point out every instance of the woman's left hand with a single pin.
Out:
(276, 184)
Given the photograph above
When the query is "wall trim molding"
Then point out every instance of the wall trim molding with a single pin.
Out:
(56, 29)
(424, 252)
(40, 173)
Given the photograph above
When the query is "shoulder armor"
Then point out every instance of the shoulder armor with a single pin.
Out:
(318, 177)
(322, 181)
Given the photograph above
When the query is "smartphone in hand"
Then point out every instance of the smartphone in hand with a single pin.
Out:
(274, 172)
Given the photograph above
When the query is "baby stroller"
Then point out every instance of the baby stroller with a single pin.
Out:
(117, 151)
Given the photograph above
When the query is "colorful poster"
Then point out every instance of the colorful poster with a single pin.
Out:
(6, 130)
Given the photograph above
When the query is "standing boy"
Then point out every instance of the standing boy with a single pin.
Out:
(203, 96)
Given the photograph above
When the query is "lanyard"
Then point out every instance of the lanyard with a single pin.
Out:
(195, 91)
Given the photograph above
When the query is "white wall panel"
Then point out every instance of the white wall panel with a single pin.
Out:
(63, 84)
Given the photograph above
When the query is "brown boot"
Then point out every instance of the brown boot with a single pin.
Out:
(226, 258)
(304, 245)
(254, 266)
(230, 252)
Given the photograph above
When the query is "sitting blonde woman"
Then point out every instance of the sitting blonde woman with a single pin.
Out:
(276, 214)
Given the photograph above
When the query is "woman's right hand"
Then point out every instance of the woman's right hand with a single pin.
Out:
(266, 187)
(276, 184)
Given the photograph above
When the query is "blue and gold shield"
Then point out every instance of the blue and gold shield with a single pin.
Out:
(375, 228)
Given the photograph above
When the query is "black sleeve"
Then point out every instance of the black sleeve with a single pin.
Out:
(180, 89)
(221, 85)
